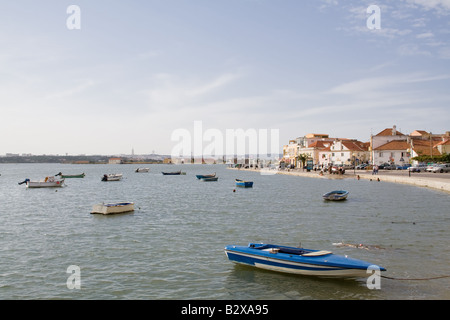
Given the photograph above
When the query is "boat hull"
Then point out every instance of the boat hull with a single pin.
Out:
(244, 184)
(201, 176)
(43, 184)
(112, 177)
(113, 208)
(171, 173)
(210, 179)
(143, 170)
(336, 195)
(324, 264)
(69, 176)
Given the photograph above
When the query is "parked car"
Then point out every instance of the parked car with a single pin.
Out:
(390, 167)
(441, 168)
(403, 167)
(361, 166)
(418, 168)
(383, 165)
(430, 167)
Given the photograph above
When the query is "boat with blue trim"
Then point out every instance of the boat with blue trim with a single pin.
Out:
(336, 195)
(209, 179)
(201, 176)
(243, 183)
(299, 261)
(174, 173)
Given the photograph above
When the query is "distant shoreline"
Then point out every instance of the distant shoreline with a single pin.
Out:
(436, 183)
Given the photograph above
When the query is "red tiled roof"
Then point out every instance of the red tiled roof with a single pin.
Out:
(355, 145)
(443, 143)
(389, 132)
(395, 145)
(419, 133)
(422, 147)
(320, 144)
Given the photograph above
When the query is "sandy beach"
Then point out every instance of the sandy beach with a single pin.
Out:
(437, 181)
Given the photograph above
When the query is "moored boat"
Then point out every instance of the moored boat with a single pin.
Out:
(112, 177)
(48, 182)
(299, 261)
(64, 176)
(201, 176)
(336, 195)
(113, 208)
(176, 173)
(243, 183)
(142, 170)
(209, 179)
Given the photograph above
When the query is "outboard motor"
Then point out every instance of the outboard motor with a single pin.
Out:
(105, 178)
(25, 181)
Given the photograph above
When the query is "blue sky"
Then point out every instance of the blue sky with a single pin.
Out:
(138, 70)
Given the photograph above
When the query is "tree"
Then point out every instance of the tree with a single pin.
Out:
(302, 158)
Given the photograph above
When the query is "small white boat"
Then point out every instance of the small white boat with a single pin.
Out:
(142, 170)
(113, 208)
(112, 177)
(48, 182)
(336, 195)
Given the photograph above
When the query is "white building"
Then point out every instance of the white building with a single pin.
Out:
(344, 152)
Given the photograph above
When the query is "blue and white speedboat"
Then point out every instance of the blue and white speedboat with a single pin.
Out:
(299, 261)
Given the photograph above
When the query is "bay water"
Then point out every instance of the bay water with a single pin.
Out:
(172, 246)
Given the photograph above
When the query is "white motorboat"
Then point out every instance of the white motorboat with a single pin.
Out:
(48, 182)
(112, 177)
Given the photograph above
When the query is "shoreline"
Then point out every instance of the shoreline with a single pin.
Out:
(435, 183)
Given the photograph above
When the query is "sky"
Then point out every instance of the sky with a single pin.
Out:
(119, 76)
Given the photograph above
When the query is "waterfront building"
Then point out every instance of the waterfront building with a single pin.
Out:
(344, 152)
(392, 146)
(115, 161)
(393, 152)
(311, 145)
(444, 146)
(290, 153)
(378, 156)
(323, 151)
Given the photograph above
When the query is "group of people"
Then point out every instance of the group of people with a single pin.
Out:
(375, 169)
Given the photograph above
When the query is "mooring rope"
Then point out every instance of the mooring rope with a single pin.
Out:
(415, 279)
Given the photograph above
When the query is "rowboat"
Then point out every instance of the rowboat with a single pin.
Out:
(243, 184)
(48, 182)
(299, 261)
(112, 177)
(336, 195)
(176, 173)
(142, 170)
(112, 208)
(65, 176)
(210, 179)
(201, 176)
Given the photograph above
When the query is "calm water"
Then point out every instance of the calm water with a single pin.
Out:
(171, 247)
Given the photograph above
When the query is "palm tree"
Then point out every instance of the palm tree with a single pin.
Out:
(302, 158)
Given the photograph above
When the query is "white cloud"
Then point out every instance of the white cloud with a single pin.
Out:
(425, 35)
(440, 6)
(173, 91)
